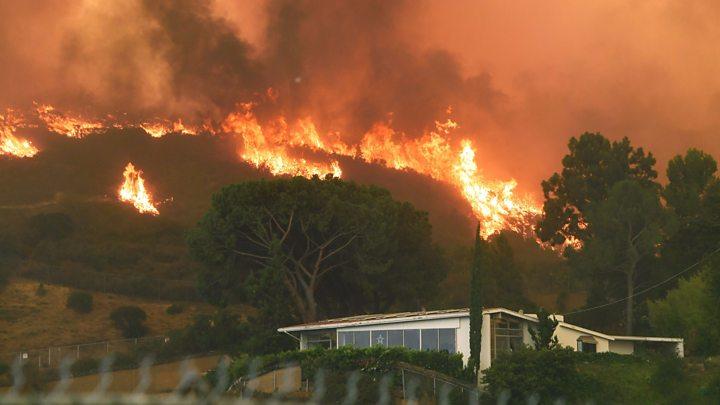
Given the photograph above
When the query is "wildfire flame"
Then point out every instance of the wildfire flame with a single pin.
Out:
(432, 154)
(66, 124)
(161, 128)
(299, 149)
(11, 144)
(269, 147)
(133, 191)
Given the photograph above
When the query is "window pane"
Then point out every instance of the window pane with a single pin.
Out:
(412, 339)
(447, 340)
(429, 339)
(362, 339)
(345, 339)
(395, 338)
(379, 338)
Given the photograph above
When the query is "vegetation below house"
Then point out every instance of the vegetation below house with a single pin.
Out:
(549, 375)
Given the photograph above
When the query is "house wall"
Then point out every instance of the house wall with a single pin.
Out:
(568, 338)
(622, 346)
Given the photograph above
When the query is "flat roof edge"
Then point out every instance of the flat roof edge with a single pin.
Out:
(411, 318)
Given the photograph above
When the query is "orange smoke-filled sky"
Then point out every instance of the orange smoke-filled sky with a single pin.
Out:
(522, 76)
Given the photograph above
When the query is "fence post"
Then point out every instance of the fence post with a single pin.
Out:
(274, 380)
(402, 373)
(77, 352)
(49, 357)
(433, 385)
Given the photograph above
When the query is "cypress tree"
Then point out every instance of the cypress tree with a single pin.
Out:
(476, 302)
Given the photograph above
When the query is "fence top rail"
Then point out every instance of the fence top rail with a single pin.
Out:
(435, 374)
(74, 345)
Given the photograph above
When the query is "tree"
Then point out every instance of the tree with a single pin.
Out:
(503, 283)
(332, 243)
(476, 302)
(544, 335)
(80, 302)
(590, 169)
(689, 311)
(130, 320)
(627, 229)
(693, 196)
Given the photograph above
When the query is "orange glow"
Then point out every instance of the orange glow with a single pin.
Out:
(65, 124)
(11, 144)
(133, 191)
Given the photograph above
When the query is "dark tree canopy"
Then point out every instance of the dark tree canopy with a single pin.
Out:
(326, 246)
(590, 169)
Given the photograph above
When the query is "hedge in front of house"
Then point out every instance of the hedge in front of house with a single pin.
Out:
(376, 361)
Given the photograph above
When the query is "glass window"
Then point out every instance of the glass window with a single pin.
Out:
(345, 339)
(429, 339)
(395, 338)
(446, 338)
(586, 346)
(362, 339)
(412, 339)
(379, 338)
(506, 335)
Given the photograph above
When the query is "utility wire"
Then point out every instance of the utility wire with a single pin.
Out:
(674, 276)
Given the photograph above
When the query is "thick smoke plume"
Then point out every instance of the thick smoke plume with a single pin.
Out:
(521, 77)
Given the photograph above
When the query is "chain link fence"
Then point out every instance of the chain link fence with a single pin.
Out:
(52, 357)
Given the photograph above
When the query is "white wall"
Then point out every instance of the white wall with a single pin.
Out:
(568, 338)
(622, 346)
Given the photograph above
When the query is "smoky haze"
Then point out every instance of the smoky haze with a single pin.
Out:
(521, 77)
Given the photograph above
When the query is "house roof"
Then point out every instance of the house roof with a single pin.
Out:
(375, 319)
(378, 319)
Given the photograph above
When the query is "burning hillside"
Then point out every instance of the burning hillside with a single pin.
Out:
(299, 149)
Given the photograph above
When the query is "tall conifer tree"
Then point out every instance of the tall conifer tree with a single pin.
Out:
(476, 302)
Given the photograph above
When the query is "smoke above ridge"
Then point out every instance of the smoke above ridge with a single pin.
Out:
(521, 78)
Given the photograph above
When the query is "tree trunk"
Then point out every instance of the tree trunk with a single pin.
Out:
(629, 305)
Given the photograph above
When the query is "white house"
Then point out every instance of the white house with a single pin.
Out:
(502, 330)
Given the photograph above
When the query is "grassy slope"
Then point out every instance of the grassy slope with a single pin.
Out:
(28, 321)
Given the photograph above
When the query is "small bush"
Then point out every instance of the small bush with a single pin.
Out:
(80, 302)
(174, 309)
(41, 291)
(130, 320)
(84, 366)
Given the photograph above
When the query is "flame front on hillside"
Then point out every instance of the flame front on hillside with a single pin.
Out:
(133, 191)
(66, 124)
(299, 149)
(433, 154)
(11, 144)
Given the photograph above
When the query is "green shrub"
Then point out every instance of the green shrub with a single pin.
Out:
(130, 320)
(84, 366)
(41, 291)
(4, 368)
(80, 302)
(174, 309)
(549, 375)
(669, 380)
